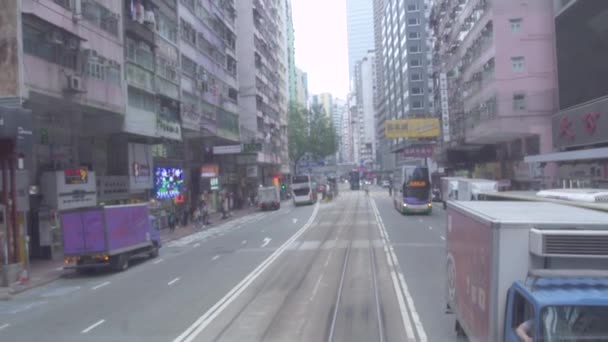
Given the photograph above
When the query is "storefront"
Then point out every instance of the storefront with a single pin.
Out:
(581, 136)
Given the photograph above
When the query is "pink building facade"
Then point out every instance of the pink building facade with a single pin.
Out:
(498, 58)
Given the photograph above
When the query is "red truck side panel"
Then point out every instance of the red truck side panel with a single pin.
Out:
(469, 245)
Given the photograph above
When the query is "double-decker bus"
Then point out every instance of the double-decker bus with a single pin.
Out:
(353, 179)
(412, 190)
(302, 190)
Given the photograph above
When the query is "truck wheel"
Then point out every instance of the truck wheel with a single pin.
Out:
(154, 251)
(120, 262)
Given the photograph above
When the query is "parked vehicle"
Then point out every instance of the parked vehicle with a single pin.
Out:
(469, 189)
(412, 190)
(303, 190)
(108, 236)
(535, 266)
(354, 180)
(386, 183)
(268, 198)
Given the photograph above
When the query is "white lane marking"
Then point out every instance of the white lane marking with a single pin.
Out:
(215, 257)
(430, 227)
(100, 322)
(4, 326)
(442, 237)
(59, 268)
(399, 284)
(316, 288)
(266, 242)
(196, 245)
(420, 220)
(100, 285)
(173, 281)
(157, 261)
(203, 321)
(244, 242)
(295, 220)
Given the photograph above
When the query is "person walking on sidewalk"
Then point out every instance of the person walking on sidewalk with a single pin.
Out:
(224, 205)
(205, 213)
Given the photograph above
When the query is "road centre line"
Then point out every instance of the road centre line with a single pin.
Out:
(95, 325)
(203, 321)
(100, 285)
(399, 283)
(215, 257)
(430, 227)
(157, 261)
(4, 326)
(442, 237)
(266, 242)
(173, 281)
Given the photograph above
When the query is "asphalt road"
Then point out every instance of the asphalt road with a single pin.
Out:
(349, 270)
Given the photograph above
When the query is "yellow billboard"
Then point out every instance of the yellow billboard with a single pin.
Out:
(411, 128)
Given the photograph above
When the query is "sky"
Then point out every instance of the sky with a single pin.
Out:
(320, 44)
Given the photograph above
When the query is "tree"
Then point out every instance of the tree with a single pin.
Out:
(310, 131)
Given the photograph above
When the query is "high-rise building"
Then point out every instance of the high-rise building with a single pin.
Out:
(385, 158)
(302, 88)
(325, 101)
(496, 71)
(360, 30)
(263, 82)
(365, 74)
(292, 73)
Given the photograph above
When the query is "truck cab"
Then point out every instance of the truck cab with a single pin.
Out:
(562, 308)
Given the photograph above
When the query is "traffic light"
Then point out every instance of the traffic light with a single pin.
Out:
(275, 181)
(283, 187)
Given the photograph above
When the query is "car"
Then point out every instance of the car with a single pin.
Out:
(386, 183)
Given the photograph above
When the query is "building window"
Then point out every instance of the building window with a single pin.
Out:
(412, 7)
(140, 53)
(416, 77)
(413, 21)
(515, 24)
(417, 91)
(519, 102)
(141, 100)
(187, 32)
(415, 62)
(100, 16)
(414, 49)
(167, 28)
(41, 41)
(413, 35)
(417, 104)
(188, 66)
(103, 69)
(518, 64)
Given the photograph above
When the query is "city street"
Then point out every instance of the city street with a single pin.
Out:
(349, 270)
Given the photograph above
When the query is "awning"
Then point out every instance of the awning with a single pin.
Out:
(592, 153)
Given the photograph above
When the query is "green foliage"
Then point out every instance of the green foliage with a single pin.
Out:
(310, 131)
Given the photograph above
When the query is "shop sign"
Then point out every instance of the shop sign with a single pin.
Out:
(252, 148)
(229, 149)
(141, 170)
(168, 129)
(229, 178)
(418, 152)
(252, 171)
(585, 125)
(140, 161)
(214, 183)
(210, 171)
(411, 128)
(76, 176)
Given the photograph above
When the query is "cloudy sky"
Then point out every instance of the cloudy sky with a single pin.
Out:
(321, 49)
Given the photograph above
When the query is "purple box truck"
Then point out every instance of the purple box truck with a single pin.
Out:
(108, 236)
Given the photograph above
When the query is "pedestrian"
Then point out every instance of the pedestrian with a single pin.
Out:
(171, 221)
(205, 213)
(224, 205)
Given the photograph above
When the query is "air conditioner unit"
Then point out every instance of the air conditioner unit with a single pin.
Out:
(75, 84)
(569, 243)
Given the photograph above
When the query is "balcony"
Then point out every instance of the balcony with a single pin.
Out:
(143, 31)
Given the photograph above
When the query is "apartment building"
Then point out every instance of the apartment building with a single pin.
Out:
(365, 78)
(263, 82)
(360, 31)
(580, 126)
(495, 63)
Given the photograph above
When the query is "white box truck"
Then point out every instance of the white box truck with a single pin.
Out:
(542, 264)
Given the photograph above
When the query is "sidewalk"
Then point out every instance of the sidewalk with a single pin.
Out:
(43, 272)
